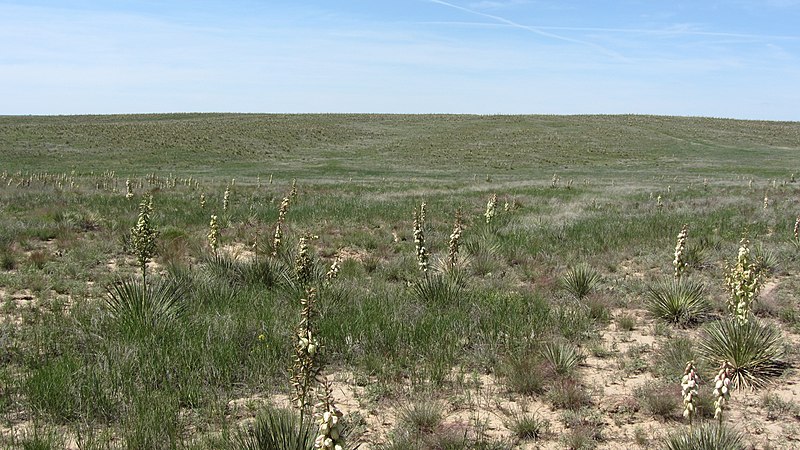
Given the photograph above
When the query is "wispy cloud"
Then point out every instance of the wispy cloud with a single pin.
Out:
(675, 30)
(496, 4)
(535, 30)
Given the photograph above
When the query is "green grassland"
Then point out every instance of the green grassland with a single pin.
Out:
(413, 351)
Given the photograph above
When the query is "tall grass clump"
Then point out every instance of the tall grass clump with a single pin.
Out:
(438, 289)
(678, 300)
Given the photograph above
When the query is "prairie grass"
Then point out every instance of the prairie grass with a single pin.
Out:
(159, 368)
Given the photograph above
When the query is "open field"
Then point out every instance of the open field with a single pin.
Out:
(499, 351)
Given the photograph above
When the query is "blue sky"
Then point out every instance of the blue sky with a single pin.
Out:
(734, 58)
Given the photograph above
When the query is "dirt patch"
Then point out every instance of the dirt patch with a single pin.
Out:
(238, 250)
(356, 254)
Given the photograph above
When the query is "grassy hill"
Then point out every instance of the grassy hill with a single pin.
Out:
(439, 146)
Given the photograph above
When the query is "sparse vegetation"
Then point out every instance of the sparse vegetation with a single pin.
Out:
(138, 323)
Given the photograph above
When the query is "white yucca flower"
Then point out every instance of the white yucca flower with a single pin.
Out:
(743, 281)
(277, 236)
(128, 189)
(143, 235)
(491, 208)
(213, 234)
(226, 198)
(722, 391)
(455, 242)
(679, 262)
(333, 272)
(797, 229)
(689, 391)
(419, 243)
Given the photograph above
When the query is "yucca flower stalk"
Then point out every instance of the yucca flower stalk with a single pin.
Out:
(226, 199)
(750, 184)
(306, 365)
(213, 234)
(277, 237)
(659, 203)
(455, 242)
(554, 181)
(419, 243)
(797, 229)
(689, 391)
(329, 435)
(722, 392)
(202, 200)
(293, 193)
(423, 214)
(491, 209)
(743, 281)
(766, 202)
(128, 189)
(679, 262)
(333, 272)
(303, 265)
(143, 235)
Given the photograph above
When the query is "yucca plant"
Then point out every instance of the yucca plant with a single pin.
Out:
(136, 304)
(708, 436)
(276, 429)
(564, 357)
(678, 300)
(766, 260)
(580, 280)
(754, 351)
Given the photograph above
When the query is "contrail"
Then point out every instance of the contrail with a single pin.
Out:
(654, 31)
(536, 30)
